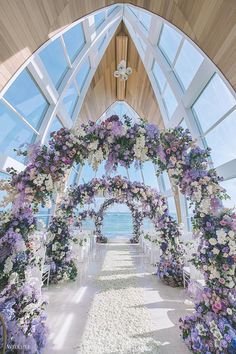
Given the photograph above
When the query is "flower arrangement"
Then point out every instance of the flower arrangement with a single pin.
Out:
(172, 150)
(212, 328)
(21, 303)
(63, 266)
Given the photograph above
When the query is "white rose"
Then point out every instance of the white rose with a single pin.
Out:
(229, 311)
(212, 241)
(215, 250)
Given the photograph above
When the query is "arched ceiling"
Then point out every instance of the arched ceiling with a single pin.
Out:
(25, 25)
(102, 91)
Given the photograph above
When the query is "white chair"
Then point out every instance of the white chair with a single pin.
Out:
(186, 276)
(46, 274)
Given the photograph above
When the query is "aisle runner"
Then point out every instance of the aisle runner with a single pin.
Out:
(117, 322)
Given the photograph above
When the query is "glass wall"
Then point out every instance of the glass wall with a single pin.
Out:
(54, 60)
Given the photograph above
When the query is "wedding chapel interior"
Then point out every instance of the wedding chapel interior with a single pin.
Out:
(117, 176)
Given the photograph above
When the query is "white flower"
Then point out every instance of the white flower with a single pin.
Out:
(8, 265)
(93, 146)
(229, 311)
(212, 241)
(13, 278)
(140, 150)
(221, 236)
(54, 247)
(216, 250)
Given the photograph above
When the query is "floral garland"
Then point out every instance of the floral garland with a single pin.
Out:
(212, 328)
(171, 264)
(21, 304)
(172, 150)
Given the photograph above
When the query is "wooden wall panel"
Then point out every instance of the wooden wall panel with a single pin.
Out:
(26, 24)
(102, 91)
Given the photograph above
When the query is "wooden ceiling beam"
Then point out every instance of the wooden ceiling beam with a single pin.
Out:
(121, 54)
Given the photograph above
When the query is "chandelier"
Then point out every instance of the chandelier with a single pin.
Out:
(122, 72)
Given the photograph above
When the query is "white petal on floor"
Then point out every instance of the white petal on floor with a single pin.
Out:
(116, 306)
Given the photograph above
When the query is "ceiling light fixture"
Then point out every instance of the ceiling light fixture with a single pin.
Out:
(122, 72)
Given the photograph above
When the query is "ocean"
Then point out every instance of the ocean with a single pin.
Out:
(117, 224)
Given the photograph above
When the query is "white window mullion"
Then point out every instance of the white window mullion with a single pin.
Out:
(65, 51)
(43, 80)
(20, 116)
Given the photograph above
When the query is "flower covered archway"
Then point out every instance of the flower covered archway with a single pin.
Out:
(171, 150)
(137, 217)
(121, 189)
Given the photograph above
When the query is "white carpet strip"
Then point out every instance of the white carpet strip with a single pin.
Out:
(117, 322)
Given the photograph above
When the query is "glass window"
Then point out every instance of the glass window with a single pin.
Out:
(83, 73)
(222, 140)
(43, 216)
(187, 64)
(117, 221)
(25, 96)
(189, 215)
(183, 124)
(159, 76)
(111, 9)
(120, 108)
(172, 207)
(101, 170)
(98, 201)
(3, 194)
(166, 181)
(15, 132)
(143, 17)
(143, 46)
(213, 103)
(87, 174)
(54, 126)
(135, 174)
(99, 18)
(149, 174)
(230, 186)
(74, 40)
(72, 177)
(169, 42)
(121, 171)
(101, 43)
(70, 99)
(55, 62)
(169, 101)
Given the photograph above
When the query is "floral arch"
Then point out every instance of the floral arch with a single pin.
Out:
(171, 150)
(120, 189)
(137, 217)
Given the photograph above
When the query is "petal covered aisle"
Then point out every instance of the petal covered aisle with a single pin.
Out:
(119, 320)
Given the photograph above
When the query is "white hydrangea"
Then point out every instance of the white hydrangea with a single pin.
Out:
(96, 158)
(49, 183)
(140, 150)
(221, 236)
(13, 278)
(205, 206)
(8, 265)
(93, 146)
